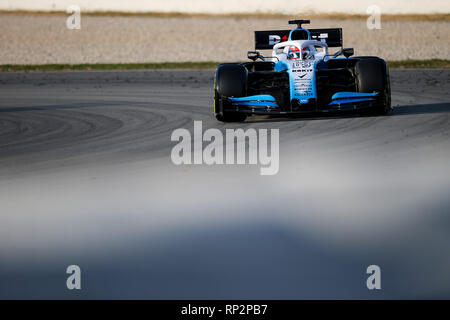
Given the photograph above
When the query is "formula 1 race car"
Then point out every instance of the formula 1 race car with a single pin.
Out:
(300, 77)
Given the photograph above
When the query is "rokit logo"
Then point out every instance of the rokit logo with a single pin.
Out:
(302, 70)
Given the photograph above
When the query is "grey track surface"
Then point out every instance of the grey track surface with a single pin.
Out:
(86, 178)
(53, 119)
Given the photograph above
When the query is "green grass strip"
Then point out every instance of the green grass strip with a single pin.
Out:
(404, 64)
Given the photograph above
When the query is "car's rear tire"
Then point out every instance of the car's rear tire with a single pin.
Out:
(372, 75)
(230, 81)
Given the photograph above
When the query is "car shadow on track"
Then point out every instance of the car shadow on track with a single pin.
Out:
(397, 111)
(421, 109)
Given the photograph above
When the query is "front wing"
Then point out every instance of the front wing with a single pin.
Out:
(267, 105)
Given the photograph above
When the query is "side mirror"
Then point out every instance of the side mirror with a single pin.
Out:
(253, 55)
(348, 52)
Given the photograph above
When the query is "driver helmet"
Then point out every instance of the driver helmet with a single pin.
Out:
(306, 53)
(294, 53)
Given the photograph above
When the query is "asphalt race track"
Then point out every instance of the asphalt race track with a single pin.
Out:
(86, 178)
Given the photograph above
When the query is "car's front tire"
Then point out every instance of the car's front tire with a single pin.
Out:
(230, 81)
(372, 75)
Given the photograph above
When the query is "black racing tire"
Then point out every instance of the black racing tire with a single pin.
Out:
(230, 81)
(372, 75)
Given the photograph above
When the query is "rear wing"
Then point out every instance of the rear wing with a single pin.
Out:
(267, 39)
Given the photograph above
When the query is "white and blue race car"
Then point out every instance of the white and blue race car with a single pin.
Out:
(301, 77)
